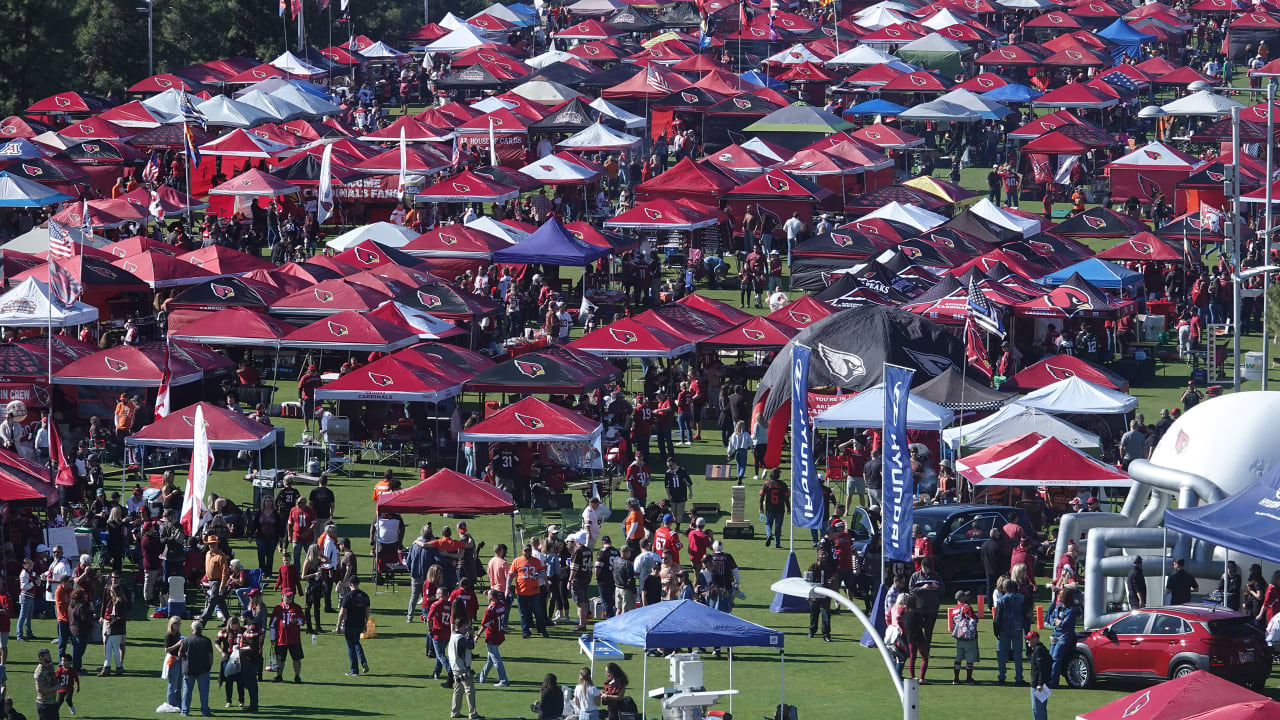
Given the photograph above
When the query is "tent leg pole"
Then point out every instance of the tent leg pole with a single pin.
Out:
(730, 680)
(782, 681)
(644, 684)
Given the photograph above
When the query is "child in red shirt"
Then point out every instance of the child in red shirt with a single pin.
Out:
(68, 681)
(494, 637)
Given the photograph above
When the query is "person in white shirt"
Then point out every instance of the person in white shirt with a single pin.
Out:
(647, 560)
(59, 568)
(824, 225)
(564, 321)
(324, 416)
(592, 517)
(329, 562)
(469, 216)
(42, 440)
(793, 227)
(135, 502)
(11, 433)
(397, 215)
(586, 697)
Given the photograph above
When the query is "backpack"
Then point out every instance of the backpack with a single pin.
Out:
(964, 626)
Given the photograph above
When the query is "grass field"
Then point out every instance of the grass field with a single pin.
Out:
(836, 679)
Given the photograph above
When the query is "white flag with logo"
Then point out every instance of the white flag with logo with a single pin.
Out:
(404, 162)
(493, 146)
(324, 194)
(198, 478)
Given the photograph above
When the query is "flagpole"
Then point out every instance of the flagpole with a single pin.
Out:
(964, 366)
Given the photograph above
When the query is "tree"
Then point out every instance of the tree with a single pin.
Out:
(111, 47)
(35, 52)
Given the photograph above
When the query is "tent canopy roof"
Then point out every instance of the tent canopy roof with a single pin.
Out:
(679, 623)
(227, 430)
(448, 491)
(866, 409)
(532, 420)
(1076, 396)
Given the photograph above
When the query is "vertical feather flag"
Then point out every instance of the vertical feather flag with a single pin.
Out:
(198, 478)
(493, 146)
(404, 162)
(324, 193)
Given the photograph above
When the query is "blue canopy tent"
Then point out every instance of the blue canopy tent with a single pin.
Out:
(1247, 523)
(1127, 40)
(551, 244)
(1102, 273)
(1012, 93)
(875, 107)
(758, 78)
(684, 623)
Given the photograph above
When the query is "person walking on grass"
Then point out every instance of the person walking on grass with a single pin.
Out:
(1009, 614)
(461, 642)
(964, 628)
(286, 634)
(46, 686)
(1041, 675)
(196, 652)
(353, 614)
(68, 683)
(494, 636)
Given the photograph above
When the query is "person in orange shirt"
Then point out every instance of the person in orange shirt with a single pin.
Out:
(450, 549)
(633, 525)
(388, 483)
(62, 610)
(524, 575)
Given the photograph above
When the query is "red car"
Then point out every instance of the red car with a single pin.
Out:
(1162, 643)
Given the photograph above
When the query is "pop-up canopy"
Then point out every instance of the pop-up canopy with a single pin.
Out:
(1013, 421)
(447, 491)
(629, 337)
(866, 409)
(29, 305)
(533, 420)
(1077, 396)
(391, 379)
(228, 430)
(1034, 460)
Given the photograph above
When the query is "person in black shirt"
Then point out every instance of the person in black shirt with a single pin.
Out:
(604, 575)
(652, 591)
(287, 498)
(872, 475)
(775, 498)
(1180, 584)
(1137, 585)
(353, 614)
(991, 565)
(679, 488)
(322, 500)
(724, 578)
(580, 567)
(506, 464)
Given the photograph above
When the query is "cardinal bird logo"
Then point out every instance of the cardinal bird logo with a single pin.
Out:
(380, 380)
(867, 228)
(778, 183)
(1152, 154)
(842, 240)
(757, 32)
(1260, 19)
(917, 80)
(689, 97)
(429, 300)
(1149, 187)
(222, 291)
(1216, 177)
(943, 240)
(42, 394)
(789, 23)
(953, 32)
(8, 130)
(653, 214)
(1196, 223)
(972, 4)
(1140, 247)
(131, 266)
(529, 421)
(61, 101)
(1043, 248)
(530, 369)
(1097, 8)
(1068, 299)
(260, 74)
(626, 337)
(1055, 18)
(1181, 443)
(1094, 222)
(114, 365)
(872, 135)
(32, 170)
(742, 104)
(91, 148)
(1058, 373)
(105, 272)
(892, 32)
(323, 296)
(844, 365)
(87, 129)
(338, 329)
(911, 252)
(752, 334)
(1138, 704)
(1075, 55)
(461, 187)
(1008, 54)
(592, 50)
(118, 252)
(985, 82)
(801, 318)
(367, 256)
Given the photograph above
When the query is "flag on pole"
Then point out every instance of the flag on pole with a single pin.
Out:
(189, 145)
(655, 80)
(742, 17)
(980, 310)
(151, 172)
(808, 507)
(162, 395)
(86, 225)
(1210, 217)
(295, 8)
(975, 350)
(324, 194)
(60, 243)
(198, 478)
(493, 146)
(282, 4)
(63, 288)
(456, 159)
(65, 476)
(898, 486)
(404, 163)
(156, 208)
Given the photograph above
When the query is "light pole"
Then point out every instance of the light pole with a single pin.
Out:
(1266, 239)
(151, 65)
(1235, 246)
(908, 689)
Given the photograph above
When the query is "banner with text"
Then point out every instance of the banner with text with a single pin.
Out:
(898, 485)
(808, 508)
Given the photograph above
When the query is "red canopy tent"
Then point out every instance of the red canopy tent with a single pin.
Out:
(23, 482)
(778, 193)
(628, 337)
(227, 430)
(235, 326)
(136, 245)
(1153, 168)
(758, 333)
(128, 366)
(328, 297)
(457, 241)
(1034, 460)
(451, 492)
(1060, 367)
(350, 330)
(68, 103)
(391, 379)
(425, 325)
(662, 213)
(694, 180)
(886, 137)
(1176, 699)
(162, 271)
(801, 312)
(1143, 247)
(221, 260)
(653, 83)
(722, 310)
(467, 186)
(555, 369)
(533, 420)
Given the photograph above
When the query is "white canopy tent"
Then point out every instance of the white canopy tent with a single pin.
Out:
(1080, 397)
(1205, 102)
(222, 110)
(797, 54)
(489, 226)
(944, 18)
(599, 137)
(596, 8)
(278, 108)
(866, 409)
(314, 105)
(28, 305)
(506, 13)
(491, 103)
(383, 233)
(546, 92)
(936, 42)
(987, 210)
(549, 57)
(1013, 421)
(940, 111)
(918, 218)
(556, 170)
(169, 104)
(863, 55)
(462, 38)
(975, 102)
(294, 65)
(36, 240)
(879, 17)
(629, 120)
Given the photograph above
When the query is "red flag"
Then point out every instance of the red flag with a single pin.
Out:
(742, 16)
(162, 395)
(295, 7)
(975, 350)
(65, 476)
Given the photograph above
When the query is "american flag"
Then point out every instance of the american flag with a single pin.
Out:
(980, 310)
(62, 287)
(1122, 83)
(456, 158)
(60, 243)
(151, 172)
(655, 80)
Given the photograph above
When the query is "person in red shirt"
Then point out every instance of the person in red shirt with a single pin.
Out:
(494, 637)
(684, 414)
(642, 424)
(843, 550)
(638, 478)
(467, 594)
(286, 635)
(699, 542)
(666, 538)
(302, 529)
(698, 403)
(923, 547)
(662, 416)
(439, 631)
(288, 579)
(307, 385)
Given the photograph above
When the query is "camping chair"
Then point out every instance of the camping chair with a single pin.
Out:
(529, 523)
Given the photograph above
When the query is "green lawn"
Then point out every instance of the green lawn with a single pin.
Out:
(836, 679)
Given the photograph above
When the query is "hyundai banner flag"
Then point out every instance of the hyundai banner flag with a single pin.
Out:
(808, 508)
(898, 485)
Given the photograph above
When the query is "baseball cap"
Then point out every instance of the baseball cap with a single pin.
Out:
(717, 546)
(1092, 499)
(701, 522)
(605, 540)
(1075, 501)
(255, 592)
(462, 526)
(1031, 634)
(667, 518)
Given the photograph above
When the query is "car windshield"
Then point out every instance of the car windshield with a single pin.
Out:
(976, 528)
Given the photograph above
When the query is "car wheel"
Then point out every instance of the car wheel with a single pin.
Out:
(1079, 671)
(1182, 670)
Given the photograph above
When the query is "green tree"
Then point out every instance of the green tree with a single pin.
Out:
(111, 46)
(35, 52)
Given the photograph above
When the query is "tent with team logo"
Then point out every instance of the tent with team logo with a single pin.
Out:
(555, 369)
(227, 430)
(1056, 368)
(630, 337)
(139, 366)
(350, 330)
(1100, 222)
(391, 379)
(446, 301)
(29, 304)
(757, 334)
(533, 420)
(448, 491)
(1153, 168)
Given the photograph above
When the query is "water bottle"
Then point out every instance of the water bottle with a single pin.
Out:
(741, 595)
(761, 517)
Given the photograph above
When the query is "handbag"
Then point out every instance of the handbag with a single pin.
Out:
(232, 666)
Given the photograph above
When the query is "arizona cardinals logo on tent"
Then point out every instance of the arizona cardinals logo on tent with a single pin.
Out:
(162, 82)
(105, 272)
(32, 170)
(1055, 18)
(222, 291)
(986, 82)
(626, 337)
(1058, 373)
(380, 380)
(917, 80)
(1075, 55)
(42, 394)
(1149, 187)
(1068, 299)
(448, 240)
(115, 365)
(1152, 154)
(1216, 177)
(868, 228)
(529, 421)
(61, 101)
(911, 252)
(778, 183)
(1008, 54)
(428, 300)
(1094, 222)
(461, 187)
(653, 214)
(1260, 19)
(131, 266)
(1141, 247)
(1181, 443)
(1138, 704)
(757, 32)
(591, 50)
(689, 97)
(338, 329)
(844, 365)
(323, 295)
(91, 148)
(367, 256)
(841, 240)
(530, 369)
(1097, 8)
(802, 318)
(752, 334)
(930, 363)
(891, 32)
(1043, 248)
